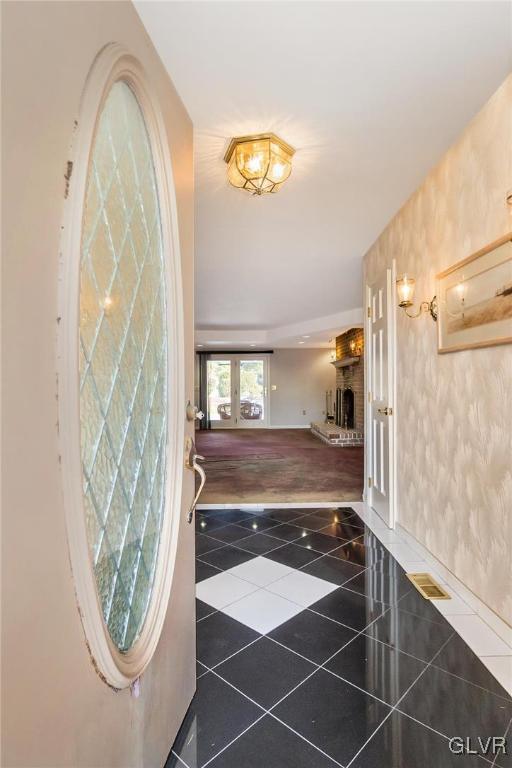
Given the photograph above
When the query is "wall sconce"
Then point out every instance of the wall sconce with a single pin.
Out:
(355, 349)
(405, 289)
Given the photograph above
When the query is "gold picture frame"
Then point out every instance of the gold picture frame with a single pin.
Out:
(475, 299)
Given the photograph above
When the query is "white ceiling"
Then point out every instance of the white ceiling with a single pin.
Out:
(370, 94)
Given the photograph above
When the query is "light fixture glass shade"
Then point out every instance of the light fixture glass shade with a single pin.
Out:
(259, 163)
(405, 288)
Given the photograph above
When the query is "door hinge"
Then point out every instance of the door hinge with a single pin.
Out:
(369, 482)
(369, 312)
(369, 397)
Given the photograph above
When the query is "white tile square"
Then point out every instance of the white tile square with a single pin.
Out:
(501, 668)
(387, 537)
(402, 552)
(260, 571)
(453, 607)
(262, 611)
(479, 636)
(415, 566)
(301, 588)
(222, 589)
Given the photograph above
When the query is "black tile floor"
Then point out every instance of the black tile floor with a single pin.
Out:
(368, 676)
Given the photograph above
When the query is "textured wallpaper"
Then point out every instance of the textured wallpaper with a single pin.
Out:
(454, 411)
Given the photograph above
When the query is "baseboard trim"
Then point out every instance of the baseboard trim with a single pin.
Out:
(248, 505)
(502, 629)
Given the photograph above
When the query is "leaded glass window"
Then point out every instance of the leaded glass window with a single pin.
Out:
(123, 365)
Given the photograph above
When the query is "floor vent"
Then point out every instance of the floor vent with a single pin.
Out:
(427, 587)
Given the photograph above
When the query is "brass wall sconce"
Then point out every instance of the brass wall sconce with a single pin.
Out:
(405, 289)
(355, 348)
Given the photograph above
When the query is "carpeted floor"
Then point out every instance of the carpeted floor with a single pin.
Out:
(262, 465)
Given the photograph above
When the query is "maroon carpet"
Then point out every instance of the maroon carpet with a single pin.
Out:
(261, 465)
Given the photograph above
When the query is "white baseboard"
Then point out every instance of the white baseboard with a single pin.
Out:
(500, 627)
(289, 426)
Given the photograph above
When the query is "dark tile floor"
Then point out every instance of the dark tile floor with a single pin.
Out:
(368, 676)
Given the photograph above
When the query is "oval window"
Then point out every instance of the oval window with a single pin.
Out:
(123, 365)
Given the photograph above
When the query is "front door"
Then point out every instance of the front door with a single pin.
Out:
(380, 390)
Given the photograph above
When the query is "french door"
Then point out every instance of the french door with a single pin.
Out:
(380, 377)
(237, 391)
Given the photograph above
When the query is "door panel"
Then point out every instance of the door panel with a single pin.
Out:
(253, 390)
(381, 414)
(221, 392)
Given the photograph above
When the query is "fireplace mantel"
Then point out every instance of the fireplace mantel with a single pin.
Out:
(345, 361)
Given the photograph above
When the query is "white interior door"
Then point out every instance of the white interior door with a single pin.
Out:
(380, 422)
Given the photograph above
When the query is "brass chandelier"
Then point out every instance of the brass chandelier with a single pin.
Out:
(259, 163)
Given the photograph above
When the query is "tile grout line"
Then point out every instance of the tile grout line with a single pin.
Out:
(394, 707)
(208, 615)
(256, 639)
(216, 549)
(233, 740)
(271, 714)
(363, 632)
(179, 758)
(265, 712)
(509, 727)
(211, 566)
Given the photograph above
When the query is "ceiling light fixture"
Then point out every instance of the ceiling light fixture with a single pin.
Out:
(259, 163)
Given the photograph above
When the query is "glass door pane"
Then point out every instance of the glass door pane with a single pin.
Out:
(252, 392)
(220, 410)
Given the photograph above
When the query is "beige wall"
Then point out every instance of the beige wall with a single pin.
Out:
(454, 411)
(301, 376)
(56, 711)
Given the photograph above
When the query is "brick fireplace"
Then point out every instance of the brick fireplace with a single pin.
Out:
(350, 346)
(348, 429)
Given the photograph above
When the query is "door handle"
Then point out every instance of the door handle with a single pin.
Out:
(193, 412)
(386, 411)
(191, 458)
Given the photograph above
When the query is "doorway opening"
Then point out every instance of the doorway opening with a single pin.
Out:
(269, 428)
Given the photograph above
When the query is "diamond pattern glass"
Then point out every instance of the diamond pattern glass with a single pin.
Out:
(123, 365)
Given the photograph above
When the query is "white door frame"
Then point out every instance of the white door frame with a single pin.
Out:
(393, 495)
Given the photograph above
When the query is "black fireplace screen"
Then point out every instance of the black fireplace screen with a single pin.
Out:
(345, 408)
